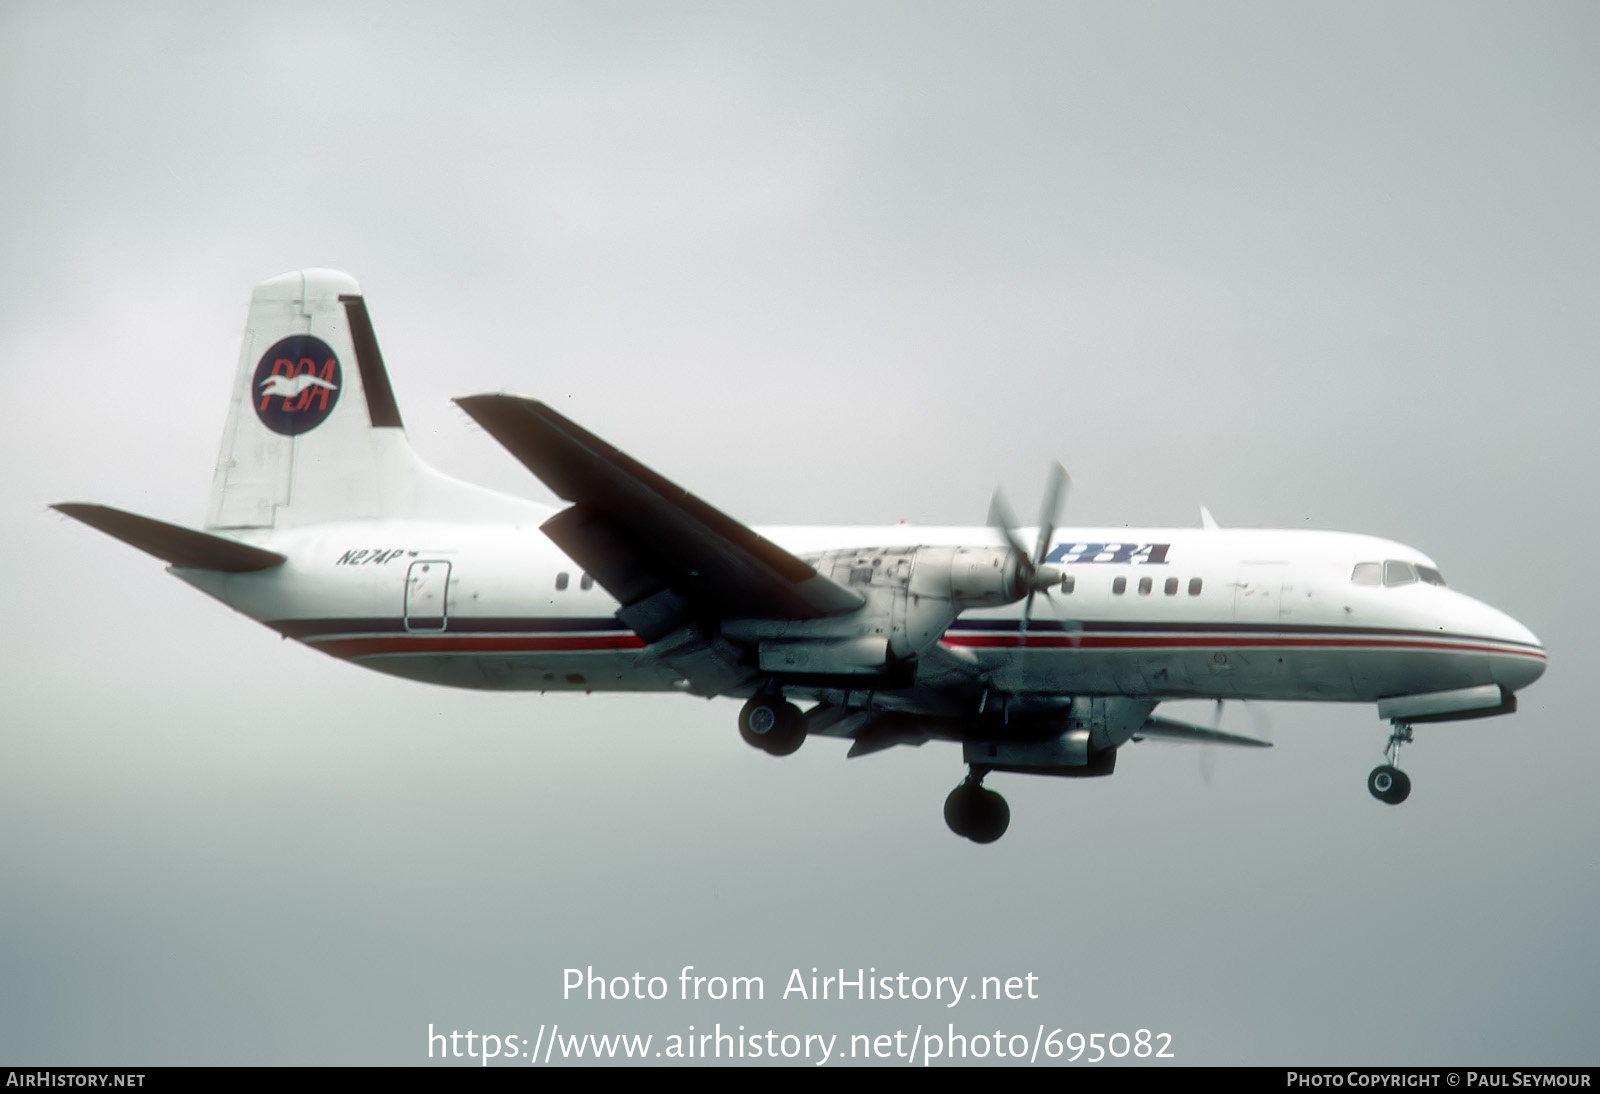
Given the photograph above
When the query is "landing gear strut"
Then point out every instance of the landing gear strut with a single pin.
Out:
(979, 815)
(1387, 782)
(772, 724)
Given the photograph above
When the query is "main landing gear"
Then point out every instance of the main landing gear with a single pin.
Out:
(974, 813)
(772, 724)
(1387, 782)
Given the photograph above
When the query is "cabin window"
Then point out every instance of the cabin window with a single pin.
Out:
(561, 581)
(1119, 586)
(1398, 573)
(1144, 586)
(1194, 586)
(586, 581)
(1171, 587)
(1430, 575)
(1068, 583)
(1367, 573)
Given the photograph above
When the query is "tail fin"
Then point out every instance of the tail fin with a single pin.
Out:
(311, 402)
(314, 433)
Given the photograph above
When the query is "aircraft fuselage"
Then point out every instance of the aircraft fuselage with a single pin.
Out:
(1151, 613)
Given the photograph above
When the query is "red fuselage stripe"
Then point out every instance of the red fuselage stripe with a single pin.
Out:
(1054, 641)
(442, 643)
(378, 645)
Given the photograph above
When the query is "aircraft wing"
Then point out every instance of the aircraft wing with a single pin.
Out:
(1165, 729)
(651, 544)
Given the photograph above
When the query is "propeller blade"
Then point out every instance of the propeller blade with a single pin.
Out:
(1262, 738)
(1260, 719)
(1036, 574)
(1069, 627)
(1050, 510)
(1207, 759)
(1000, 518)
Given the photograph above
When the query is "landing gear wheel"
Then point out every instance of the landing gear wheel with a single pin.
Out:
(1389, 784)
(974, 813)
(773, 725)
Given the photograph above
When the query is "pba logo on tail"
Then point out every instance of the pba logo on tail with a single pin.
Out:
(296, 385)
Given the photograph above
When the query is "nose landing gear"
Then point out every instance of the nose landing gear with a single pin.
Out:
(974, 813)
(1387, 782)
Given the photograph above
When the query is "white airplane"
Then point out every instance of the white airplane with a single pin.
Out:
(324, 525)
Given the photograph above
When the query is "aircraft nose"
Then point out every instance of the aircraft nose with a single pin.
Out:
(1521, 660)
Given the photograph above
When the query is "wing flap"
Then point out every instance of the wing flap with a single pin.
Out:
(638, 533)
(173, 543)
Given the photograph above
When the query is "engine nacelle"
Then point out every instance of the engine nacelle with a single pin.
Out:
(945, 581)
(1066, 756)
(912, 596)
(973, 577)
(1083, 743)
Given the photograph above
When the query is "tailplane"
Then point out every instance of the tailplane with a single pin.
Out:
(173, 543)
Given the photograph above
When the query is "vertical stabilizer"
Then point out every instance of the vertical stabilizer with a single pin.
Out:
(309, 397)
(313, 431)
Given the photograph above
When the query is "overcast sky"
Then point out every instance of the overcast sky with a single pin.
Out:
(1329, 266)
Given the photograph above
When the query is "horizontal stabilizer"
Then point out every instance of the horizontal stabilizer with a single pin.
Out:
(637, 533)
(172, 543)
(1165, 729)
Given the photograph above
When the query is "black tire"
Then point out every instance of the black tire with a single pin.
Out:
(994, 817)
(1402, 787)
(772, 725)
(791, 733)
(757, 720)
(974, 813)
(958, 810)
(1389, 784)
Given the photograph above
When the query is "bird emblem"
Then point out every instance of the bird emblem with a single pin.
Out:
(288, 387)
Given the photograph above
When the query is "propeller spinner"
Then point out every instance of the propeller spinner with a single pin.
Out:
(1037, 577)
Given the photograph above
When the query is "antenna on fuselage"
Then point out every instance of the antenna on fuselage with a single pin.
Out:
(1207, 521)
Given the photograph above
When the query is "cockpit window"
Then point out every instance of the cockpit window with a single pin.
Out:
(1394, 572)
(1398, 573)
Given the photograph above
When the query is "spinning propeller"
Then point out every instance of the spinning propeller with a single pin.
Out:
(1036, 576)
(1207, 756)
